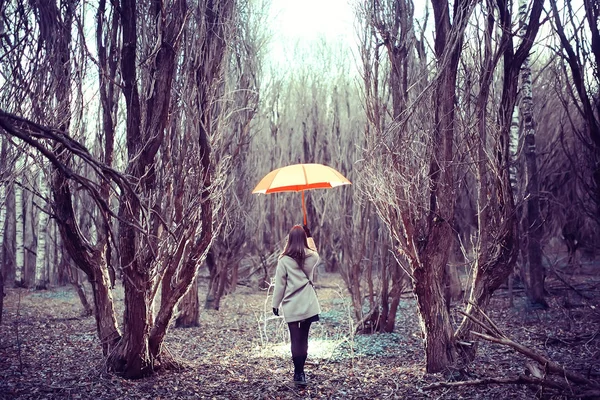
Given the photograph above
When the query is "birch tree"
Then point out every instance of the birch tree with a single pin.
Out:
(2, 224)
(533, 227)
(41, 275)
(20, 234)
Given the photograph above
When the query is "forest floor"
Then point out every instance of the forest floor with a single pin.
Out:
(48, 351)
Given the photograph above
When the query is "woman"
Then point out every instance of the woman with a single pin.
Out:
(294, 291)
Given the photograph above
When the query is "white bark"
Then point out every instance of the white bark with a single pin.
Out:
(513, 145)
(40, 258)
(533, 225)
(19, 233)
(526, 103)
(2, 213)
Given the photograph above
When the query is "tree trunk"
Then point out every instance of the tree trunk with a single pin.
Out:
(213, 278)
(19, 235)
(90, 260)
(80, 289)
(217, 284)
(437, 331)
(498, 245)
(41, 278)
(189, 307)
(133, 349)
(3, 204)
(8, 246)
(29, 243)
(398, 280)
(534, 226)
(234, 277)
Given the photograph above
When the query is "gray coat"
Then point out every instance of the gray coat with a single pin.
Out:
(293, 290)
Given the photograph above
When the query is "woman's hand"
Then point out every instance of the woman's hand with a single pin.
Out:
(307, 231)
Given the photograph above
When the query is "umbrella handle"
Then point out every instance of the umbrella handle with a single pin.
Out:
(303, 208)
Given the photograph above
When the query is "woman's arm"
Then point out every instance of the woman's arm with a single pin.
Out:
(280, 282)
(311, 243)
(309, 239)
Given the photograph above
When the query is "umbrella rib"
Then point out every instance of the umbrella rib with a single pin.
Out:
(305, 177)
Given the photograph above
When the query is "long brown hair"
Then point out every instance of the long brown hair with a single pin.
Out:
(296, 245)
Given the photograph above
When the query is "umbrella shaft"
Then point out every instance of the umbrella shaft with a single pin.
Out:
(303, 208)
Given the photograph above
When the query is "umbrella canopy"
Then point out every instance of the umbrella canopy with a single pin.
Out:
(300, 177)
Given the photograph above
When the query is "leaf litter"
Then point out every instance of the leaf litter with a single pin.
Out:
(48, 351)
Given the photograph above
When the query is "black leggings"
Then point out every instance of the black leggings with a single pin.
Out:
(299, 337)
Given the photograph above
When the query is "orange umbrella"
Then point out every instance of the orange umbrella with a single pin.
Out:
(300, 177)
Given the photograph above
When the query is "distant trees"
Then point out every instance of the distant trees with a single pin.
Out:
(242, 88)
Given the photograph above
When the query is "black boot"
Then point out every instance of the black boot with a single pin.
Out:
(300, 379)
(299, 376)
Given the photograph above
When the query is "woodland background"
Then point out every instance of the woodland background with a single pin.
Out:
(132, 134)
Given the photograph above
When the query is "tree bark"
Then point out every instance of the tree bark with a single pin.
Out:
(92, 261)
(20, 236)
(497, 255)
(534, 225)
(29, 239)
(41, 278)
(190, 308)
(8, 246)
(3, 204)
(428, 269)
(80, 289)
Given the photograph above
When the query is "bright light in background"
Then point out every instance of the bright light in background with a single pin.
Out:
(320, 349)
(309, 19)
(298, 26)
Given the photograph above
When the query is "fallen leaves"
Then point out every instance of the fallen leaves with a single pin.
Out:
(235, 354)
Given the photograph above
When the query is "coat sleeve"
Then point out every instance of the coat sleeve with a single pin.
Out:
(280, 282)
(311, 243)
(316, 259)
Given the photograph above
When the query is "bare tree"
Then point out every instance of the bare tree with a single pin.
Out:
(563, 166)
(532, 228)
(581, 52)
(152, 255)
(415, 171)
(242, 89)
(416, 201)
(497, 245)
